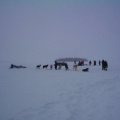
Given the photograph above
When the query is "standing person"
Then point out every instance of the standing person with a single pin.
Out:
(103, 64)
(99, 62)
(82, 62)
(55, 65)
(90, 63)
(94, 62)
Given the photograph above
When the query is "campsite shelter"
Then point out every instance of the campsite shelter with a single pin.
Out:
(61, 60)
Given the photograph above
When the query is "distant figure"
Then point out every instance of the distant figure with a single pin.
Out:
(94, 62)
(104, 65)
(66, 66)
(55, 65)
(81, 63)
(90, 63)
(99, 62)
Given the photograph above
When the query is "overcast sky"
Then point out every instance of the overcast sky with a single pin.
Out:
(39, 30)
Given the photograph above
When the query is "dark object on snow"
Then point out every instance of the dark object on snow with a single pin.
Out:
(61, 64)
(22, 66)
(85, 70)
(104, 65)
(55, 65)
(15, 66)
(45, 66)
(94, 62)
(90, 63)
(66, 66)
(81, 63)
(38, 66)
(99, 62)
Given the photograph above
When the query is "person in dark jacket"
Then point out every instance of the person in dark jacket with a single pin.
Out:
(103, 64)
(99, 62)
(90, 63)
(55, 65)
(94, 62)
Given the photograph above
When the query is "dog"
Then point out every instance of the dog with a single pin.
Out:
(75, 67)
(60, 67)
(38, 66)
(45, 66)
(85, 70)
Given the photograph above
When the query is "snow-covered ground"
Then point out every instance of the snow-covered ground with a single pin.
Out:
(33, 94)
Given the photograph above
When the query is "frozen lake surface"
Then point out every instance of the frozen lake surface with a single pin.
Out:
(37, 94)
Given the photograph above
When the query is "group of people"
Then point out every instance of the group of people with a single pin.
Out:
(104, 64)
(94, 62)
(81, 63)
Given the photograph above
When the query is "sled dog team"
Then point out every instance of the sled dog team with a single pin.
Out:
(60, 66)
(46, 66)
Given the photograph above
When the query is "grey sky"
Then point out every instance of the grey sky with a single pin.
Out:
(44, 31)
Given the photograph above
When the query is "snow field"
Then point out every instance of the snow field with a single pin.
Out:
(33, 94)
